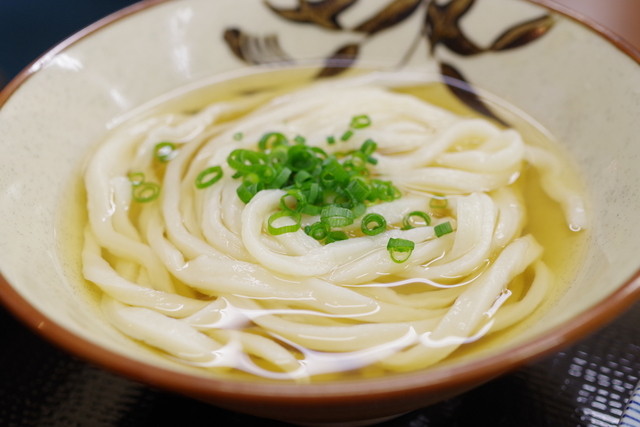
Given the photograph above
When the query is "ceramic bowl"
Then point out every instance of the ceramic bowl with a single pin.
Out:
(581, 87)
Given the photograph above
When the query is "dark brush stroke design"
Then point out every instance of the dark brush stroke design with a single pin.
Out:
(255, 50)
(392, 14)
(522, 34)
(323, 13)
(442, 26)
(340, 61)
(459, 86)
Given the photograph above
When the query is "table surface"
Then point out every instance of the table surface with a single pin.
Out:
(587, 384)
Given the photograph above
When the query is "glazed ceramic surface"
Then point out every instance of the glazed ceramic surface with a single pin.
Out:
(581, 88)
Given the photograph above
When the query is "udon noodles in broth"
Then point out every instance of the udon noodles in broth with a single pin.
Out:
(336, 227)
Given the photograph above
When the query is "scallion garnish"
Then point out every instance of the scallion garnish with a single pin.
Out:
(442, 229)
(359, 122)
(136, 178)
(400, 249)
(337, 186)
(408, 221)
(438, 202)
(238, 136)
(288, 228)
(336, 216)
(208, 177)
(373, 224)
(317, 230)
(335, 236)
(272, 139)
(347, 135)
(165, 151)
(145, 192)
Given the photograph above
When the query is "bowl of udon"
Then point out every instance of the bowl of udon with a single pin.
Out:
(322, 212)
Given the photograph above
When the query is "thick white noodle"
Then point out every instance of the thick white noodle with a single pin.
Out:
(197, 275)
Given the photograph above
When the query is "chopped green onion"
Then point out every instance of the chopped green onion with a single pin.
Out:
(317, 230)
(301, 158)
(145, 192)
(208, 177)
(336, 186)
(347, 135)
(358, 210)
(289, 228)
(378, 221)
(333, 175)
(400, 249)
(408, 223)
(336, 216)
(383, 190)
(246, 161)
(360, 122)
(136, 178)
(368, 147)
(438, 202)
(271, 140)
(442, 229)
(165, 151)
(310, 209)
(247, 190)
(334, 236)
(238, 136)
(278, 155)
(358, 189)
(280, 180)
(292, 200)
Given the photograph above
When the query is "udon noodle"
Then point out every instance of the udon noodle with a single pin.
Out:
(196, 273)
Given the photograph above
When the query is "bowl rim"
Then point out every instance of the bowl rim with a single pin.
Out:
(363, 390)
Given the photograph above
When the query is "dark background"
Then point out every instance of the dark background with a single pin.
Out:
(585, 385)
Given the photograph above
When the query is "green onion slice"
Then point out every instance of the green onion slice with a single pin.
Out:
(246, 161)
(238, 136)
(373, 224)
(442, 229)
(271, 140)
(288, 228)
(400, 249)
(347, 135)
(336, 216)
(165, 151)
(368, 147)
(136, 178)
(408, 221)
(360, 122)
(334, 236)
(293, 200)
(438, 202)
(208, 177)
(145, 192)
(317, 230)
(247, 190)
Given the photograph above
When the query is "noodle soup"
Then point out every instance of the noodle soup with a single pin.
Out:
(273, 227)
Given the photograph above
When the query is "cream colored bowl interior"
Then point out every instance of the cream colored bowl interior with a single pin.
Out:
(581, 88)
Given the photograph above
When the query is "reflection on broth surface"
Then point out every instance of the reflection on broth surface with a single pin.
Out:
(271, 227)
